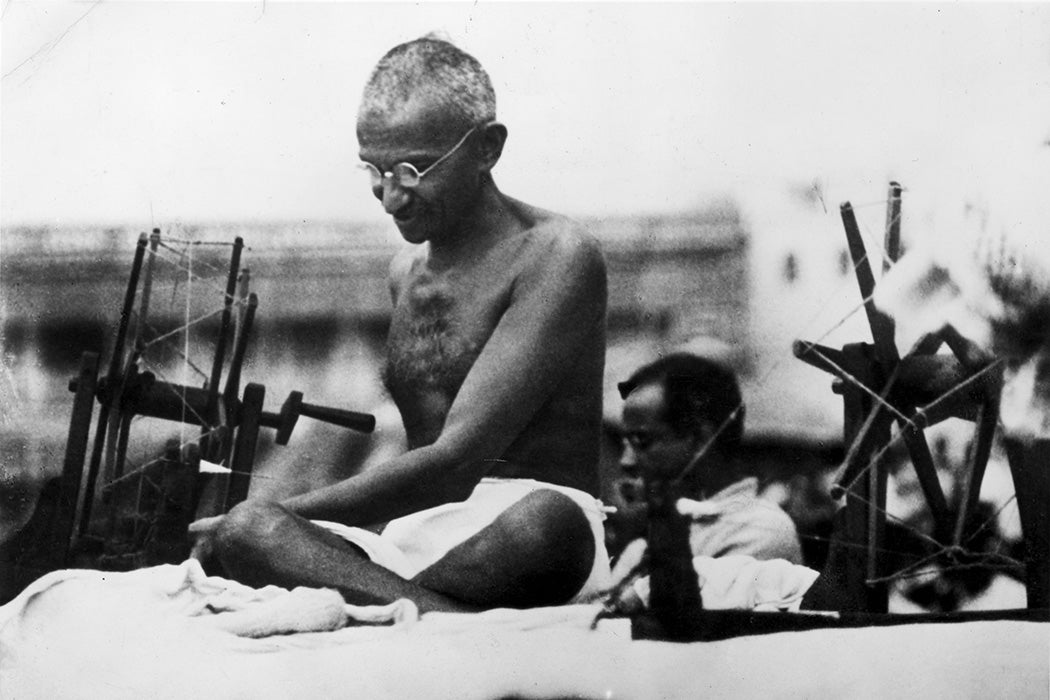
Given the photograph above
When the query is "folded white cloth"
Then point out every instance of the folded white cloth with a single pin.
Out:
(185, 591)
(739, 582)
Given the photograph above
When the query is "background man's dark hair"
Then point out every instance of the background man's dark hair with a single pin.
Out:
(696, 389)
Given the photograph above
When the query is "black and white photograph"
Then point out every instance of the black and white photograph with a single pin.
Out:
(491, 350)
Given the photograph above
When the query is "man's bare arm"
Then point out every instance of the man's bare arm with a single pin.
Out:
(556, 303)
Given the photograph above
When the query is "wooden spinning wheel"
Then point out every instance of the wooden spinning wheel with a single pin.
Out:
(881, 390)
(104, 514)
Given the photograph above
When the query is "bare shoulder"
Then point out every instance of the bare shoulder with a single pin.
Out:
(560, 243)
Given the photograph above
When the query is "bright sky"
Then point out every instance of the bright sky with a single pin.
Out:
(118, 112)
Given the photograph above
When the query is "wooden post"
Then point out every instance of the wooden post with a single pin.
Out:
(245, 444)
(113, 379)
(211, 448)
(863, 529)
(674, 591)
(1030, 466)
(74, 489)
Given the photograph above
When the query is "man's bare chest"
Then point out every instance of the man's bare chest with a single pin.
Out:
(440, 325)
(458, 304)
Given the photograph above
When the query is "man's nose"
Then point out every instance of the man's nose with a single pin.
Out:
(392, 195)
(629, 460)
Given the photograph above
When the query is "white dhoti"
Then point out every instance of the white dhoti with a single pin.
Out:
(410, 544)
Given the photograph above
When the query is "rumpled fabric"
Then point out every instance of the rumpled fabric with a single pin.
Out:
(185, 591)
(729, 581)
(740, 582)
(88, 635)
(736, 520)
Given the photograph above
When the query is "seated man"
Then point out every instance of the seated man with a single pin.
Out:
(683, 416)
(495, 359)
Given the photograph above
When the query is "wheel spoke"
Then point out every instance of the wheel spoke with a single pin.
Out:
(880, 324)
(926, 471)
(977, 461)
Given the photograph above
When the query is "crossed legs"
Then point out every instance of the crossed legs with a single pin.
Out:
(537, 552)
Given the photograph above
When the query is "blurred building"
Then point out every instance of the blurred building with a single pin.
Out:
(675, 281)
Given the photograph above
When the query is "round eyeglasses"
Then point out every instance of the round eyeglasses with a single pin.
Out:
(405, 174)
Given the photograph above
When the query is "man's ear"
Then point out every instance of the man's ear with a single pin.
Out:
(493, 136)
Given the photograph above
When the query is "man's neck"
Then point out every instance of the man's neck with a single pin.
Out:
(712, 475)
(493, 217)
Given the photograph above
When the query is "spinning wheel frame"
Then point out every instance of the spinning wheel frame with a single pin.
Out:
(879, 389)
(229, 425)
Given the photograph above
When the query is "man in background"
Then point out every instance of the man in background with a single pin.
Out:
(683, 418)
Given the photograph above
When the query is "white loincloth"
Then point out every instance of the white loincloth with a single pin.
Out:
(410, 544)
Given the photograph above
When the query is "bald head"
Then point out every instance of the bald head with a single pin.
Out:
(434, 71)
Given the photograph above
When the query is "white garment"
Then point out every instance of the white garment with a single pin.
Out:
(410, 544)
(736, 520)
(740, 582)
